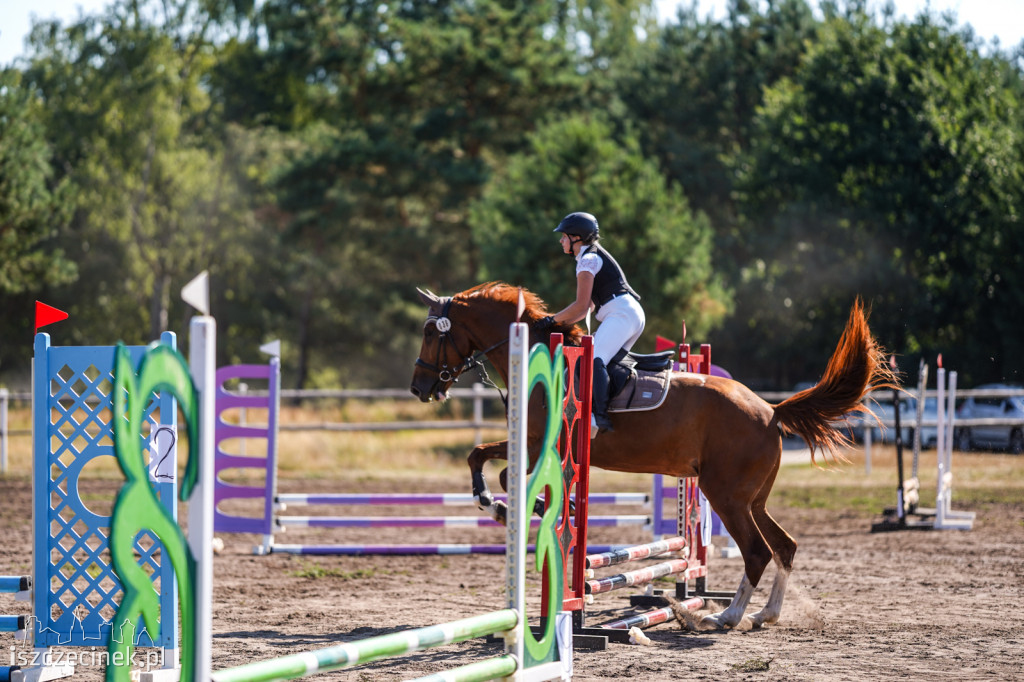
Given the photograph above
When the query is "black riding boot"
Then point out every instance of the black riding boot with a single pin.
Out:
(601, 396)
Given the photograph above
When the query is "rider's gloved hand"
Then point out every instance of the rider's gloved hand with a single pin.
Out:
(544, 324)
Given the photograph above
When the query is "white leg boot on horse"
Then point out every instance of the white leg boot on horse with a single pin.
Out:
(485, 501)
(760, 539)
(481, 493)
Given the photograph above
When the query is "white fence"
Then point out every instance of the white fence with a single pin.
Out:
(478, 394)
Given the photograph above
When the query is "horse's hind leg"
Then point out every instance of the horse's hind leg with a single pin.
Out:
(756, 555)
(480, 455)
(784, 547)
(736, 502)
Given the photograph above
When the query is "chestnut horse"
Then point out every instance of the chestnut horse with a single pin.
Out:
(711, 427)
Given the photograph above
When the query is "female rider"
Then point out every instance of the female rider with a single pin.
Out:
(601, 286)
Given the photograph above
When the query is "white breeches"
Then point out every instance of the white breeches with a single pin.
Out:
(622, 321)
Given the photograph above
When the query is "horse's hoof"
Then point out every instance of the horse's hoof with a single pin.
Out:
(484, 500)
(716, 620)
(539, 507)
(761, 618)
(499, 512)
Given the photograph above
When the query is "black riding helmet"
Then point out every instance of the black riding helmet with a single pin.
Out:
(580, 224)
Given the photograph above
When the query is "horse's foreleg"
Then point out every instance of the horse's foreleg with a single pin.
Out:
(760, 540)
(480, 455)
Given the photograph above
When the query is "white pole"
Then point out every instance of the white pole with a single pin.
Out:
(478, 411)
(3, 431)
(243, 389)
(202, 362)
(950, 415)
(940, 438)
(922, 397)
(517, 524)
(867, 449)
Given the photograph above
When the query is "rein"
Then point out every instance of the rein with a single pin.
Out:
(443, 323)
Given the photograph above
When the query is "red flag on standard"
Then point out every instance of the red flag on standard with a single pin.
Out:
(47, 314)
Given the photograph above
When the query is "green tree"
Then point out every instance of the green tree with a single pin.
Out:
(124, 99)
(887, 167)
(402, 110)
(576, 163)
(696, 88)
(34, 207)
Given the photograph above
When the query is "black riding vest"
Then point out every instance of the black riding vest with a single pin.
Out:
(609, 281)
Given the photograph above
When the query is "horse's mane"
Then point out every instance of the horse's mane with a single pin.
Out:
(500, 292)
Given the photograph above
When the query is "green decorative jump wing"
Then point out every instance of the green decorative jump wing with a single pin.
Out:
(137, 508)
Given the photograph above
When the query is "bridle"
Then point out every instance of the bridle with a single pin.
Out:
(444, 373)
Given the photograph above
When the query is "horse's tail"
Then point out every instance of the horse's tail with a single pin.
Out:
(856, 368)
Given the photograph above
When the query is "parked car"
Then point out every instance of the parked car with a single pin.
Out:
(884, 430)
(930, 415)
(1004, 436)
(908, 417)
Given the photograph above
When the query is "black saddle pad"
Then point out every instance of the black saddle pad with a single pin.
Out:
(653, 362)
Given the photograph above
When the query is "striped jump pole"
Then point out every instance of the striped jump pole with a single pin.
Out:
(393, 550)
(637, 577)
(373, 649)
(440, 499)
(662, 615)
(435, 522)
(676, 544)
(409, 550)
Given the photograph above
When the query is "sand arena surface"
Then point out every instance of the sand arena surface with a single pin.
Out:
(860, 606)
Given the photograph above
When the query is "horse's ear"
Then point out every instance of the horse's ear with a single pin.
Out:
(429, 299)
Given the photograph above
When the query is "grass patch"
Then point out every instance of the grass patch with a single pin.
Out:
(834, 498)
(317, 571)
(753, 665)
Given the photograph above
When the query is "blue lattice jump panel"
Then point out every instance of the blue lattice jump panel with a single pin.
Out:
(77, 591)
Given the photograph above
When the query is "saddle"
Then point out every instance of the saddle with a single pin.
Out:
(639, 382)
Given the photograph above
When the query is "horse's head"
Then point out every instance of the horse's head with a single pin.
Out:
(440, 361)
(461, 330)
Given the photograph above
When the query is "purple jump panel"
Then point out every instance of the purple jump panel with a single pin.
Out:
(224, 490)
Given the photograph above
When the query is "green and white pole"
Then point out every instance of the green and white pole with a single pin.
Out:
(372, 649)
